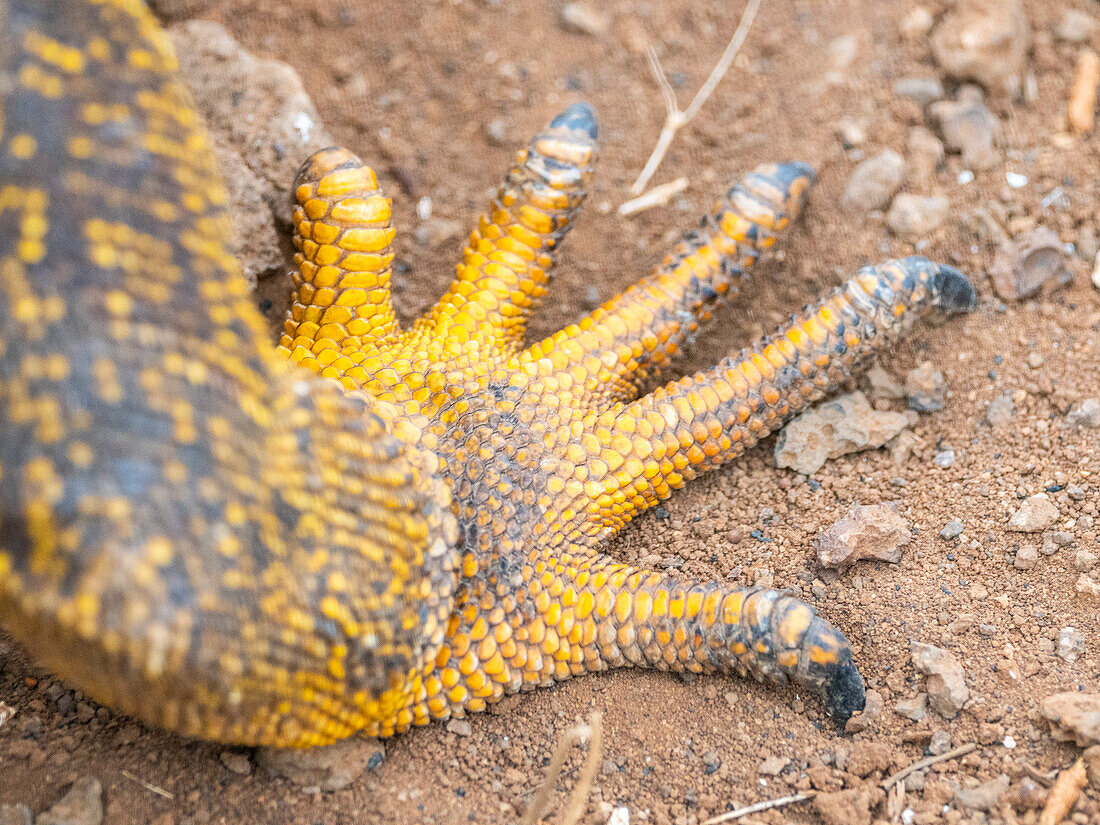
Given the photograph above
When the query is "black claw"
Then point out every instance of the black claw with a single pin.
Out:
(578, 116)
(956, 293)
(790, 171)
(844, 694)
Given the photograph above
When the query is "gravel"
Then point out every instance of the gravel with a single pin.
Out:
(912, 217)
(945, 683)
(1035, 514)
(873, 182)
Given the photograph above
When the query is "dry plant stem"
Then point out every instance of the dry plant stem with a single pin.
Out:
(1046, 780)
(961, 750)
(1063, 794)
(149, 786)
(1081, 112)
(767, 804)
(579, 798)
(657, 196)
(675, 119)
(553, 771)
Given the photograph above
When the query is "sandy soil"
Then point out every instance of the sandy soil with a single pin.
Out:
(412, 87)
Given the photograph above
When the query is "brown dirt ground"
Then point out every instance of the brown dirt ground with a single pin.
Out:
(434, 74)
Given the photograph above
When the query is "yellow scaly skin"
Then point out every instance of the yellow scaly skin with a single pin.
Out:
(200, 533)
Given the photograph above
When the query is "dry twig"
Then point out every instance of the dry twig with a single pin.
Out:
(579, 733)
(1081, 112)
(961, 750)
(1044, 779)
(1063, 794)
(579, 798)
(149, 786)
(657, 196)
(758, 807)
(675, 119)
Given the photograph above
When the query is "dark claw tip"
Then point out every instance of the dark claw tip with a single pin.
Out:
(844, 694)
(788, 172)
(580, 116)
(956, 292)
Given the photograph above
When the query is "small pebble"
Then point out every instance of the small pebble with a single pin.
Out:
(1084, 561)
(1035, 514)
(913, 217)
(986, 41)
(944, 458)
(1000, 411)
(921, 90)
(951, 530)
(711, 762)
(773, 765)
(1071, 644)
(81, 805)
(1084, 414)
(1075, 26)
(873, 182)
(917, 23)
(238, 763)
(925, 388)
(1026, 557)
(584, 18)
(969, 128)
(460, 727)
(915, 708)
(939, 743)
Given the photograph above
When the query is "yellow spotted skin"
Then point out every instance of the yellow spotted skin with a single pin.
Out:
(365, 527)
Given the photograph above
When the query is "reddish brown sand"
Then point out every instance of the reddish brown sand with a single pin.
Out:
(411, 87)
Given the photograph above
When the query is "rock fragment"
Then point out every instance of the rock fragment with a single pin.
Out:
(846, 424)
(925, 388)
(773, 766)
(912, 217)
(262, 126)
(850, 807)
(915, 708)
(1000, 411)
(984, 797)
(968, 128)
(873, 182)
(584, 18)
(883, 385)
(920, 90)
(867, 757)
(951, 530)
(1033, 263)
(1084, 560)
(1035, 514)
(1075, 26)
(82, 805)
(871, 531)
(916, 24)
(1074, 717)
(1071, 644)
(986, 41)
(236, 762)
(1087, 587)
(1085, 414)
(946, 684)
(872, 710)
(328, 768)
(1026, 557)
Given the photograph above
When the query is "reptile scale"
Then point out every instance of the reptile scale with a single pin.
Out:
(367, 526)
